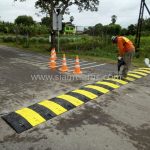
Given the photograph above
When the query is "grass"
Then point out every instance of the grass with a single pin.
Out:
(87, 47)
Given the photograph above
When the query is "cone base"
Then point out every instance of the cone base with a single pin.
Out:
(52, 66)
(77, 72)
(63, 69)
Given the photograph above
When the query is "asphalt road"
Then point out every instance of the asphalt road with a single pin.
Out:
(119, 120)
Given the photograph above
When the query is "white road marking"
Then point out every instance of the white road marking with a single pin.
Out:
(89, 67)
(81, 63)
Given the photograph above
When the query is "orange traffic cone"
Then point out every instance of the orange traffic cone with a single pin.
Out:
(52, 63)
(77, 69)
(53, 52)
(64, 67)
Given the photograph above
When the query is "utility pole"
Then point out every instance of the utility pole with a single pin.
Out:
(139, 26)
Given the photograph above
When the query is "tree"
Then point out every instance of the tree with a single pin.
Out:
(124, 31)
(113, 19)
(112, 29)
(48, 7)
(146, 24)
(24, 20)
(46, 21)
(131, 29)
(71, 19)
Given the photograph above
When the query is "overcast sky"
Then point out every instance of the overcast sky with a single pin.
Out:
(126, 11)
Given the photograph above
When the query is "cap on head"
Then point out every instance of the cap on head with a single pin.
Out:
(114, 39)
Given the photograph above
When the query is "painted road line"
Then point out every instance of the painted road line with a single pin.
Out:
(85, 64)
(81, 63)
(57, 109)
(134, 76)
(90, 67)
(31, 116)
(100, 89)
(26, 118)
(73, 61)
(70, 61)
(86, 93)
(118, 81)
(138, 73)
(71, 99)
(108, 84)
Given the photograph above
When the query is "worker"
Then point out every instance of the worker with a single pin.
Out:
(126, 52)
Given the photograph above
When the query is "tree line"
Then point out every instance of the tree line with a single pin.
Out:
(26, 25)
(116, 29)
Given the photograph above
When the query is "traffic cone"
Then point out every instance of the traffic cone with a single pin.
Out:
(53, 52)
(64, 67)
(52, 63)
(77, 69)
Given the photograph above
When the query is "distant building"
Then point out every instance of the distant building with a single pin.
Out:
(69, 28)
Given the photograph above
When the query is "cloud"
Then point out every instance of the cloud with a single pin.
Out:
(126, 11)
(9, 10)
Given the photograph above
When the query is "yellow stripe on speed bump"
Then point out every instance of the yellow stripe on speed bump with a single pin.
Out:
(86, 93)
(109, 84)
(100, 89)
(133, 75)
(140, 73)
(129, 79)
(145, 68)
(56, 108)
(119, 81)
(31, 116)
(71, 99)
(145, 71)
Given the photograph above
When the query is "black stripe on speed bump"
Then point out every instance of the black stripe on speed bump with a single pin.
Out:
(18, 123)
(43, 111)
(63, 103)
(105, 86)
(96, 92)
(123, 79)
(114, 82)
(79, 96)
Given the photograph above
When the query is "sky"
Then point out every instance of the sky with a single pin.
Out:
(127, 12)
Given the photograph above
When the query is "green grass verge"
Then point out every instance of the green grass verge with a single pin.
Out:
(88, 48)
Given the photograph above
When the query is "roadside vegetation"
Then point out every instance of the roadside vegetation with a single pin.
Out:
(93, 43)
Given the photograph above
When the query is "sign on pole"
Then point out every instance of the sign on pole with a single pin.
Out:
(57, 22)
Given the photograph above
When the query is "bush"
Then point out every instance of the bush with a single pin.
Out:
(9, 39)
(43, 40)
(34, 39)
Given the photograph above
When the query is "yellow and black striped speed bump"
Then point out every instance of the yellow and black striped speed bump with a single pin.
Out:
(26, 118)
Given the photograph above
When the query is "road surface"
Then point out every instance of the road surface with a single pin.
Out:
(118, 120)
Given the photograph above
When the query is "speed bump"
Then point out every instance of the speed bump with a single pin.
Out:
(27, 118)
